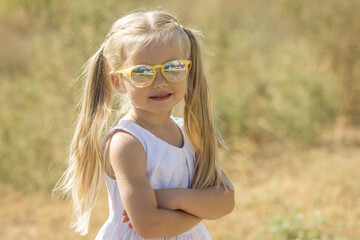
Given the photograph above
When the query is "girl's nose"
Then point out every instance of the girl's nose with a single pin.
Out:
(159, 80)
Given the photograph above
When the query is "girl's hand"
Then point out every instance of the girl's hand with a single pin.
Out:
(126, 219)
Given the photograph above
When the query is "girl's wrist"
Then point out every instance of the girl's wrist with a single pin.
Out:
(169, 198)
(178, 194)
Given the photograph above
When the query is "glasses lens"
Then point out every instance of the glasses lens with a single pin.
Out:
(175, 71)
(142, 75)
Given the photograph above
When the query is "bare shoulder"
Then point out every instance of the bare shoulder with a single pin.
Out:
(126, 153)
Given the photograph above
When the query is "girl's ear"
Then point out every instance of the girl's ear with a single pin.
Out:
(116, 82)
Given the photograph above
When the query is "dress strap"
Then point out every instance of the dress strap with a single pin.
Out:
(126, 126)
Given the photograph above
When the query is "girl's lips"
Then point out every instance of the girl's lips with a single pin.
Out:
(161, 96)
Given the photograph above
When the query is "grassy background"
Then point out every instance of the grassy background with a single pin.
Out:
(285, 81)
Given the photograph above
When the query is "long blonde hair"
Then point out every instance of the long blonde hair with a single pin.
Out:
(85, 173)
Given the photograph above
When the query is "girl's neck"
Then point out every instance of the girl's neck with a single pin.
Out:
(150, 120)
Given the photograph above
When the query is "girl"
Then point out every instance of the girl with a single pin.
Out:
(162, 173)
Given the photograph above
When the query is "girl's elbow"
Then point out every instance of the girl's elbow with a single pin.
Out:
(141, 230)
(144, 231)
(229, 200)
(149, 227)
(149, 233)
(230, 208)
(231, 204)
(146, 234)
(227, 208)
(145, 228)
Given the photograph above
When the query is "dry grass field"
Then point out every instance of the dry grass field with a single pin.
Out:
(281, 193)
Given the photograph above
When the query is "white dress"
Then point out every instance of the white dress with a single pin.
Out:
(167, 166)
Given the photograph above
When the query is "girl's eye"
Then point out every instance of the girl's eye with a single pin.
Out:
(141, 70)
(142, 75)
(175, 65)
(175, 71)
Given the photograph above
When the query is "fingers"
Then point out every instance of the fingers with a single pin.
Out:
(126, 219)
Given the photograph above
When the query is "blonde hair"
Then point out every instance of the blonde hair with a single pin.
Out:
(85, 174)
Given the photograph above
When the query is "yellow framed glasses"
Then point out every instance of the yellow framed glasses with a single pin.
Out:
(142, 76)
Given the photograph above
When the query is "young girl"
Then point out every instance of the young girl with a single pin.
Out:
(162, 173)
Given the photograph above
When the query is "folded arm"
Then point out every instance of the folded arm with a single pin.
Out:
(209, 203)
(127, 158)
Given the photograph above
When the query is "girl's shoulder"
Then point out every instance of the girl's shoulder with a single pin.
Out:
(125, 144)
(123, 136)
(126, 157)
(126, 127)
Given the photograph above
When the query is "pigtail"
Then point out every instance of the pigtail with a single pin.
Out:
(199, 125)
(84, 176)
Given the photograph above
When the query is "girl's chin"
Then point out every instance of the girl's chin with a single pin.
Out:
(154, 110)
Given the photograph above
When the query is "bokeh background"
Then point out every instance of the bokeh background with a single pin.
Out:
(285, 79)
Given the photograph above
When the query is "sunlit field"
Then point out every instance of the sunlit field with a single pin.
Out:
(280, 194)
(285, 83)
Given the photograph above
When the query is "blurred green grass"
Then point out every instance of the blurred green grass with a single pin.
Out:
(271, 77)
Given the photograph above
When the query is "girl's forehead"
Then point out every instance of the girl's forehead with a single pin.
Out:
(153, 53)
